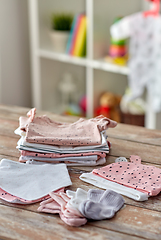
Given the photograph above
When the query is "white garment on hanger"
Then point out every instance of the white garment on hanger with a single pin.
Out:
(145, 54)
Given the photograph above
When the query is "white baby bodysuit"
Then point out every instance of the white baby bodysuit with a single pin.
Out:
(145, 54)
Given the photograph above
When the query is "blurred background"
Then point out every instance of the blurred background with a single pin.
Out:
(60, 56)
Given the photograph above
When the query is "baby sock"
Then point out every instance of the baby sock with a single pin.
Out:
(101, 204)
(95, 210)
(112, 200)
(76, 198)
(95, 194)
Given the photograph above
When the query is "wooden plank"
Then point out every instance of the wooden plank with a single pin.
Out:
(8, 157)
(135, 221)
(130, 220)
(21, 224)
(7, 127)
(153, 203)
(14, 112)
(136, 134)
(8, 146)
(148, 153)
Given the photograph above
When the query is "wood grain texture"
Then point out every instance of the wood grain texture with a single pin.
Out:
(22, 224)
(136, 134)
(136, 220)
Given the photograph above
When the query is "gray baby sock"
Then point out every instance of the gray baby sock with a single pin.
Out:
(112, 200)
(101, 204)
(95, 211)
(95, 195)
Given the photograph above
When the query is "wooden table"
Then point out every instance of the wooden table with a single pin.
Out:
(137, 220)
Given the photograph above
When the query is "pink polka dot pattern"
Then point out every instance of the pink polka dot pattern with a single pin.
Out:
(84, 132)
(60, 155)
(133, 174)
(14, 199)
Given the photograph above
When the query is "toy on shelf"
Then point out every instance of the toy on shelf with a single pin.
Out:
(74, 110)
(121, 61)
(109, 106)
(117, 50)
(118, 47)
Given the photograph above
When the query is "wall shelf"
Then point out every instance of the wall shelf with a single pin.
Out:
(93, 73)
(96, 64)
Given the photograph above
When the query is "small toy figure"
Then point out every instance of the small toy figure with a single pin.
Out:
(109, 106)
(117, 48)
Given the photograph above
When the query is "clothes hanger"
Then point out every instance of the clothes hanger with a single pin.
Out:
(155, 9)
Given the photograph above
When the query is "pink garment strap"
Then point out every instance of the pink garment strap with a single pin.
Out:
(31, 114)
(24, 121)
(58, 204)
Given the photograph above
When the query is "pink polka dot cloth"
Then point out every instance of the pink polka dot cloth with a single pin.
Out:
(144, 178)
(84, 132)
(60, 155)
(5, 196)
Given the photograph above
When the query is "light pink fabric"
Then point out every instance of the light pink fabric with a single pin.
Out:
(58, 204)
(24, 121)
(46, 131)
(14, 199)
(60, 155)
(133, 174)
(83, 132)
(73, 221)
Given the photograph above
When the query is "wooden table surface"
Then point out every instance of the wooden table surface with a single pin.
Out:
(136, 220)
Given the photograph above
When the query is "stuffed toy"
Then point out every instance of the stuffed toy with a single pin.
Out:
(109, 106)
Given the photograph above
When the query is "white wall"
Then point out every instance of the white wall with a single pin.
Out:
(15, 80)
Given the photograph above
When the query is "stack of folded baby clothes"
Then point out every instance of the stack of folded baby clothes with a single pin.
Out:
(82, 143)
